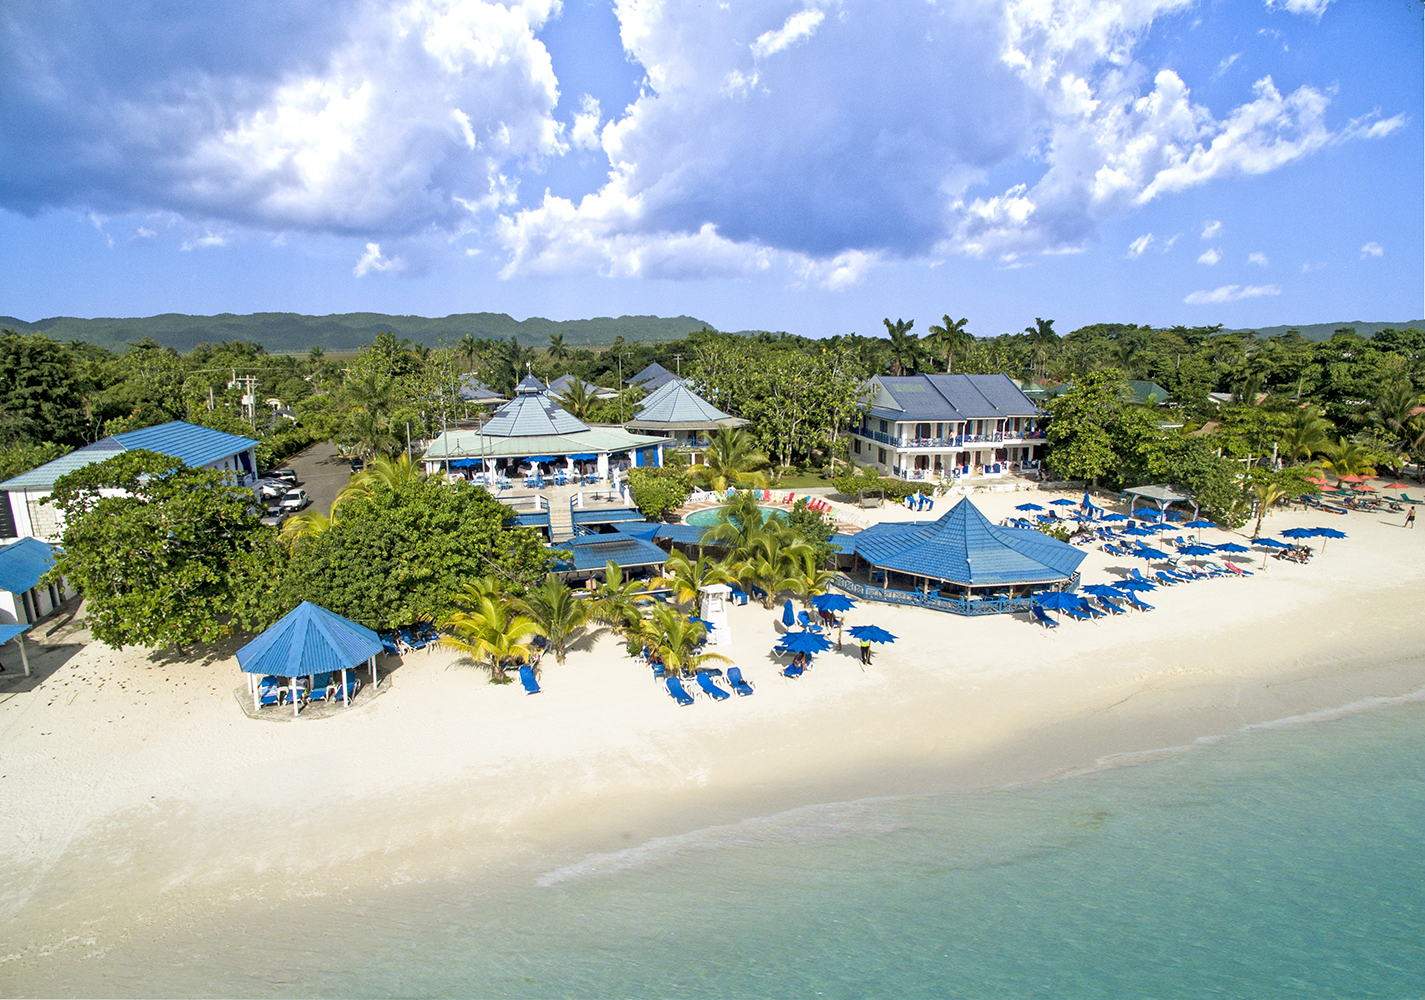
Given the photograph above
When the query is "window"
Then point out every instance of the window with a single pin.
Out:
(922, 430)
(881, 455)
(856, 445)
(883, 428)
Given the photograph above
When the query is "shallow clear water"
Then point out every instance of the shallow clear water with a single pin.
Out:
(1281, 862)
(708, 516)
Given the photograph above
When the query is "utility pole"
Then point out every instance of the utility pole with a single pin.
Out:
(620, 389)
(678, 363)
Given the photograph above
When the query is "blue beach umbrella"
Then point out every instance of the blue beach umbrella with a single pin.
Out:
(872, 632)
(1200, 523)
(804, 642)
(1114, 517)
(1064, 502)
(1327, 533)
(1149, 553)
(832, 602)
(789, 616)
(1196, 550)
(1129, 585)
(1269, 543)
(1148, 514)
(1232, 547)
(1058, 600)
(1101, 590)
(1299, 533)
(1029, 506)
(1139, 530)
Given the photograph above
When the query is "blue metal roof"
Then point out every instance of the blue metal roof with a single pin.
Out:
(964, 547)
(529, 519)
(952, 397)
(606, 515)
(592, 552)
(532, 414)
(309, 640)
(196, 446)
(8, 632)
(655, 376)
(676, 404)
(843, 542)
(23, 563)
(683, 534)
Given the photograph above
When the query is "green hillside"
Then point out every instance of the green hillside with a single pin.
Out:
(1323, 331)
(292, 332)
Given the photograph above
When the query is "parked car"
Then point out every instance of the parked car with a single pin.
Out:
(288, 476)
(294, 500)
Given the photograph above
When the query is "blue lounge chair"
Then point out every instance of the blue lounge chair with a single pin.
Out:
(739, 596)
(353, 685)
(710, 689)
(1110, 607)
(1078, 614)
(793, 671)
(388, 644)
(805, 620)
(679, 693)
(734, 677)
(1136, 604)
(270, 690)
(1042, 618)
(321, 687)
(531, 686)
(659, 672)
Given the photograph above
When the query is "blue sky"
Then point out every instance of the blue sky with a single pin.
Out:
(809, 165)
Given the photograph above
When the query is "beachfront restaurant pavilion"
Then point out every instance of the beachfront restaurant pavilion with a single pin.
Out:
(961, 563)
(534, 430)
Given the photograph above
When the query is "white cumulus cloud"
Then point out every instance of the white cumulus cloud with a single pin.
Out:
(800, 26)
(1258, 258)
(1307, 8)
(1230, 293)
(585, 133)
(1211, 228)
(373, 260)
(1210, 256)
(1142, 243)
(1372, 249)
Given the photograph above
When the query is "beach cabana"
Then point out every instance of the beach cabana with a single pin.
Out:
(1162, 497)
(962, 563)
(309, 640)
(16, 632)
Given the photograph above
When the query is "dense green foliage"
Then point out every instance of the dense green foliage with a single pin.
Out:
(160, 562)
(20, 458)
(400, 554)
(657, 491)
(812, 527)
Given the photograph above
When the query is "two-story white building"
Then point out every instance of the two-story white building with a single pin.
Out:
(27, 512)
(939, 427)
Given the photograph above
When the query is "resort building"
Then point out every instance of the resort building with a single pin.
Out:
(678, 413)
(652, 378)
(532, 429)
(937, 427)
(472, 390)
(25, 511)
(23, 599)
(961, 563)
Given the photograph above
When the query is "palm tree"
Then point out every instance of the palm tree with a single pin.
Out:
(1265, 491)
(1397, 412)
(556, 613)
(614, 599)
(384, 470)
(732, 458)
(306, 526)
(951, 338)
(1347, 458)
(1306, 436)
(688, 577)
(557, 350)
(371, 435)
(904, 345)
(674, 637)
(578, 401)
(467, 349)
(490, 630)
(315, 354)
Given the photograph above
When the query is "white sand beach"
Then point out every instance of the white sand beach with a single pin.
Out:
(140, 800)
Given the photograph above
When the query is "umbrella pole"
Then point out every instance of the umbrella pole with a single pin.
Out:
(24, 660)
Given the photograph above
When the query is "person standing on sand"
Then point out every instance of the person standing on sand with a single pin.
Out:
(1410, 517)
(865, 650)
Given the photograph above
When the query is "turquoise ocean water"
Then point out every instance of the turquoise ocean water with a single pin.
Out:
(1283, 861)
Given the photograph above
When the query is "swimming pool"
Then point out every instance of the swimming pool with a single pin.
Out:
(708, 516)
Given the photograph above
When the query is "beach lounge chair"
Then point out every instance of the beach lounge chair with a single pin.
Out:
(1136, 604)
(1110, 607)
(1078, 614)
(711, 689)
(270, 690)
(805, 620)
(741, 686)
(1236, 570)
(793, 671)
(679, 693)
(1042, 618)
(531, 686)
(1165, 579)
(353, 685)
(388, 644)
(321, 687)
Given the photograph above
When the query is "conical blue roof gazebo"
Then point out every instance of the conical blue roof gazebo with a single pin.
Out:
(965, 553)
(309, 640)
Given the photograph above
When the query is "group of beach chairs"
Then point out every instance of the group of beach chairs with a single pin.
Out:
(706, 681)
(919, 501)
(761, 496)
(401, 641)
(274, 690)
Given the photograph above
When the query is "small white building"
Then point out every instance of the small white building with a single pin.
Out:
(25, 510)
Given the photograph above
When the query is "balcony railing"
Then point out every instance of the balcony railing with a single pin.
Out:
(957, 441)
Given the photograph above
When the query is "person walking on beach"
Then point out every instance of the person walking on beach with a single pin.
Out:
(865, 650)
(1410, 517)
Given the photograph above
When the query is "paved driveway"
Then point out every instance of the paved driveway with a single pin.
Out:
(323, 474)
